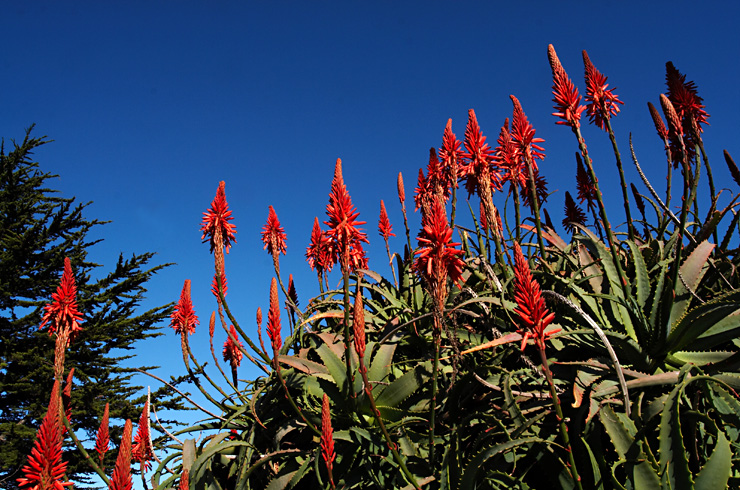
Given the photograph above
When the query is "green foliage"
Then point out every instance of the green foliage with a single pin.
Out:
(38, 229)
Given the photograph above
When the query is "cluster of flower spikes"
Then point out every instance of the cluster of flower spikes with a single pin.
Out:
(142, 451)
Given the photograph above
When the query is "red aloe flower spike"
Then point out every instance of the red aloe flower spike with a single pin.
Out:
(523, 133)
(477, 167)
(224, 284)
(142, 450)
(121, 479)
(273, 320)
(184, 480)
(318, 253)
(216, 221)
(674, 122)
(346, 237)
(327, 438)
(438, 258)
(684, 97)
(273, 235)
(602, 103)
(530, 304)
(232, 352)
(584, 184)
(184, 318)
(658, 121)
(401, 191)
(67, 398)
(62, 313)
(638, 199)
(450, 155)
(358, 329)
(102, 441)
(483, 221)
(384, 225)
(420, 192)
(292, 293)
(540, 186)
(507, 159)
(567, 101)
(45, 468)
(573, 214)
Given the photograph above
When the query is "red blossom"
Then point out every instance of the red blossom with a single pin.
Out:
(102, 441)
(45, 468)
(273, 235)
(438, 258)
(602, 102)
(62, 313)
(420, 192)
(573, 214)
(522, 132)
(684, 97)
(401, 191)
(121, 479)
(142, 450)
(477, 167)
(584, 184)
(184, 480)
(327, 436)
(273, 319)
(384, 225)
(658, 121)
(567, 101)
(319, 253)
(232, 352)
(540, 184)
(450, 154)
(216, 220)
(638, 199)
(184, 319)
(530, 304)
(346, 238)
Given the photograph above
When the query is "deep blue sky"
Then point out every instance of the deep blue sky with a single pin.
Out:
(151, 104)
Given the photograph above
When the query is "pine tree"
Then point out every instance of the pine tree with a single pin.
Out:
(38, 229)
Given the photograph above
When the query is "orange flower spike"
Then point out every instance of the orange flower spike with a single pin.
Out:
(566, 98)
(216, 219)
(684, 97)
(401, 191)
(273, 235)
(601, 102)
(450, 154)
(384, 225)
(658, 122)
(438, 258)
(45, 468)
(522, 132)
(346, 238)
(327, 437)
(62, 313)
(232, 352)
(102, 440)
(318, 253)
(584, 184)
(142, 450)
(674, 122)
(184, 319)
(273, 319)
(358, 329)
(530, 304)
(184, 480)
(121, 479)
(573, 214)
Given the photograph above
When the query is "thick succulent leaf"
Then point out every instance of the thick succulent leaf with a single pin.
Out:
(380, 367)
(692, 270)
(702, 358)
(707, 325)
(642, 281)
(673, 458)
(401, 388)
(475, 465)
(621, 431)
(716, 472)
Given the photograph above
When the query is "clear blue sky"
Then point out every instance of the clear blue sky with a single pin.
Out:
(151, 104)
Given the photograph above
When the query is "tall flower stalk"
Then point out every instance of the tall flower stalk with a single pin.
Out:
(386, 231)
(327, 439)
(535, 318)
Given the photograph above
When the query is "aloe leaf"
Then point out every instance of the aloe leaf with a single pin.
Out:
(692, 270)
(707, 325)
(629, 450)
(470, 475)
(642, 281)
(716, 471)
(334, 364)
(380, 367)
(401, 388)
(673, 458)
